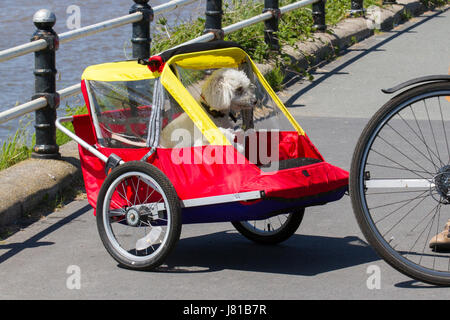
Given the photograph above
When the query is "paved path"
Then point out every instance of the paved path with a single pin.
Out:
(326, 259)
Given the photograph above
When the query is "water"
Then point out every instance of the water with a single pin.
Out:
(17, 85)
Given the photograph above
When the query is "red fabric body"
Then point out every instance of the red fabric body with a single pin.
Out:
(216, 170)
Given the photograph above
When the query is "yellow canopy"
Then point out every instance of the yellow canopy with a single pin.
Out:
(210, 59)
(119, 71)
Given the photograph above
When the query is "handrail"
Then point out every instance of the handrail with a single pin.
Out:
(83, 143)
(23, 49)
(106, 25)
(99, 27)
(270, 13)
(36, 104)
(118, 22)
(248, 22)
(65, 37)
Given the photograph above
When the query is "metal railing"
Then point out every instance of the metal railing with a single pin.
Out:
(46, 42)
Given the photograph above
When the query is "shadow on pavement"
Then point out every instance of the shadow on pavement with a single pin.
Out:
(300, 255)
(364, 52)
(34, 242)
(414, 284)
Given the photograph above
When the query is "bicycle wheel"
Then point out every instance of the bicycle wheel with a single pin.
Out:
(400, 181)
(138, 215)
(272, 230)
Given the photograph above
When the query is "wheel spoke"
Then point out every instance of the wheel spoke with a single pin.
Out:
(443, 129)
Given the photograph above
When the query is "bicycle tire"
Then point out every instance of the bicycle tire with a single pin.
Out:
(359, 178)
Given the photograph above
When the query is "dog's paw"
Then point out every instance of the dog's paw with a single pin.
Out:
(262, 112)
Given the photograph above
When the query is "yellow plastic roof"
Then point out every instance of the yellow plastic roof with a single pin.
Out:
(219, 58)
(118, 71)
(133, 71)
(212, 59)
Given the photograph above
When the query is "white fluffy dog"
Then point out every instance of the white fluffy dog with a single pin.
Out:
(225, 93)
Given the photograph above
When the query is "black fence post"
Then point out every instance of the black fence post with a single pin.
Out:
(45, 86)
(318, 13)
(213, 16)
(357, 7)
(271, 25)
(141, 30)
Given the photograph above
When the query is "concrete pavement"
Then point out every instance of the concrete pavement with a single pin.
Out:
(327, 258)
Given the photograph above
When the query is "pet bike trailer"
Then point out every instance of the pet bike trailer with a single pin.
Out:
(146, 175)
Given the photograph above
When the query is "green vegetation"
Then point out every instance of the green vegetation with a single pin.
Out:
(16, 148)
(19, 147)
(275, 78)
(406, 14)
(61, 138)
(294, 26)
(434, 3)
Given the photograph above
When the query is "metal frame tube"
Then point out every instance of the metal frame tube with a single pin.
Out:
(243, 196)
(77, 139)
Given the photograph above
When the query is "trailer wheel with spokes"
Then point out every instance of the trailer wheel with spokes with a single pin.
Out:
(272, 230)
(138, 215)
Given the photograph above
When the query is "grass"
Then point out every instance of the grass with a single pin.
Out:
(20, 146)
(16, 148)
(275, 78)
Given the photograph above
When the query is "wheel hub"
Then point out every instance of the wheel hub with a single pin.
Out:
(442, 183)
(133, 217)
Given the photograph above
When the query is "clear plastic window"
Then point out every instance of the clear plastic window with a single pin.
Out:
(121, 112)
(177, 129)
(234, 98)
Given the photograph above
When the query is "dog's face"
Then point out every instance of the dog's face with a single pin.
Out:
(229, 89)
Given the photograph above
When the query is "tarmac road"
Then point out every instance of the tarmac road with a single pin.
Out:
(327, 258)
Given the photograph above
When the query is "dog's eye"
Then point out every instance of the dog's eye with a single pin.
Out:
(240, 90)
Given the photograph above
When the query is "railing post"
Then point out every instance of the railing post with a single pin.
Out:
(357, 7)
(213, 21)
(45, 86)
(271, 25)
(318, 12)
(141, 30)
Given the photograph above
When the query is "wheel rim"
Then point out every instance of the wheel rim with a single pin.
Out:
(403, 219)
(130, 219)
(268, 227)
